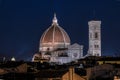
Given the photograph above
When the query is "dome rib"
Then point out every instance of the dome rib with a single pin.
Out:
(53, 35)
(62, 34)
(44, 34)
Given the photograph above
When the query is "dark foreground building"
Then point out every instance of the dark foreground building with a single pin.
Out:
(91, 68)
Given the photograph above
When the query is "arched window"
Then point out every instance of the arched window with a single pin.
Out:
(96, 46)
(96, 35)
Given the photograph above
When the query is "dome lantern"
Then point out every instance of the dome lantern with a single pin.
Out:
(55, 20)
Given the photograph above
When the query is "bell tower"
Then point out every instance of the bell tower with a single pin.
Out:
(94, 38)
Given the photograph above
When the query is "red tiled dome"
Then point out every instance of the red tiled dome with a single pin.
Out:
(54, 36)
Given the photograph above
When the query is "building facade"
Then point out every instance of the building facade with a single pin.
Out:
(94, 38)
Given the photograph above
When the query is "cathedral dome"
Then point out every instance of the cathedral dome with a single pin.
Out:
(54, 37)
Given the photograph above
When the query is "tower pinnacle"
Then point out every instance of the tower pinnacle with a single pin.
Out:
(55, 19)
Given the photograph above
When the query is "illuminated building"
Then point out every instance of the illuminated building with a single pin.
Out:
(56, 47)
(94, 38)
(13, 59)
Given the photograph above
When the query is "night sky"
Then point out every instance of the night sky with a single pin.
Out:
(22, 23)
